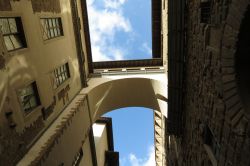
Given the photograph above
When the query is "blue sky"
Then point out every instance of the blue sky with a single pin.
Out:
(133, 134)
(120, 29)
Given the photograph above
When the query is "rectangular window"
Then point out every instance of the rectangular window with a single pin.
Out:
(13, 34)
(29, 97)
(211, 142)
(51, 28)
(205, 7)
(61, 74)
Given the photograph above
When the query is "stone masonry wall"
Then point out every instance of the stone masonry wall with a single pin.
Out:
(211, 92)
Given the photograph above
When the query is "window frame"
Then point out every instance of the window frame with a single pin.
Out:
(20, 33)
(55, 26)
(60, 75)
(35, 95)
(205, 11)
(211, 145)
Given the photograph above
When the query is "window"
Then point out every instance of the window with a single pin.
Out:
(211, 145)
(61, 74)
(205, 6)
(51, 28)
(29, 97)
(13, 34)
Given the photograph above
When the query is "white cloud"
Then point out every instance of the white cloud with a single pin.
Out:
(115, 4)
(146, 48)
(148, 161)
(105, 23)
(122, 161)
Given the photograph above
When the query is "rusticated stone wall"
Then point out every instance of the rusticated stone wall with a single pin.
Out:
(3, 52)
(14, 145)
(211, 91)
(46, 6)
(5, 5)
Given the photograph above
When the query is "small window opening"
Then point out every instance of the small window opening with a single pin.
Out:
(60, 75)
(211, 145)
(205, 7)
(29, 97)
(242, 61)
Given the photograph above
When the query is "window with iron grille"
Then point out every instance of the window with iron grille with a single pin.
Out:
(29, 97)
(61, 74)
(51, 28)
(13, 34)
(205, 7)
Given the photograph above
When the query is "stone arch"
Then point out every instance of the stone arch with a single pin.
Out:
(111, 94)
(242, 61)
(105, 95)
(229, 45)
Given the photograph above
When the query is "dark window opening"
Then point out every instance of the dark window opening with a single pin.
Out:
(242, 61)
(205, 9)
(210, 141)
(111, 158)
(13, 34)
(51, 28)
(29, 97)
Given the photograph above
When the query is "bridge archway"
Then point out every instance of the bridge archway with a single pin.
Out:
(106, 94)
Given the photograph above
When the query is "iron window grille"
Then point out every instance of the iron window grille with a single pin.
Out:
(205, 7)
(51, 28)
(29, 97)
(13, 34)
(61, 74)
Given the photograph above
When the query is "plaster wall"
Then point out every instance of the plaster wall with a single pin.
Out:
(71, 141)
(101, 143)
(62, 141)
(86, 159)
(37, 62)
(102, 95)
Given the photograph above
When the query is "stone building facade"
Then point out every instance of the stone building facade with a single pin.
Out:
(204, 50)
(215, 116)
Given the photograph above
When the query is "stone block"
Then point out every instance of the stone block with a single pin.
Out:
(227, 52)
(229, 93)
(227, 63)
(232, 101)
(228, 78)
(228, 86)
(233, 110)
